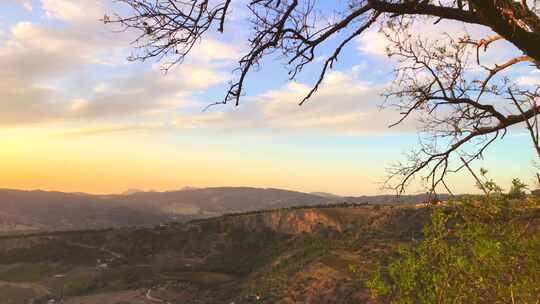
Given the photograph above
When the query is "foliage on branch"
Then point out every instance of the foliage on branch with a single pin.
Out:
(479, 250)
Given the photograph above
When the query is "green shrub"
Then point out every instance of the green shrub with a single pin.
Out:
(517, 190)
(78, 286)
(478, 250)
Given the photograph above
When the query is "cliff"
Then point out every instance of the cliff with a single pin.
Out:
(339, 219)
(285, 221)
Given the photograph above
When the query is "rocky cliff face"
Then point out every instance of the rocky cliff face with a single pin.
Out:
(285, 221)
(339, 219)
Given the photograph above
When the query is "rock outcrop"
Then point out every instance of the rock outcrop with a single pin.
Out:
(285, 221)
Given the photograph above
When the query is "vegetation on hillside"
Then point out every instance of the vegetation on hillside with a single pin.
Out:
(476, 250)
(472, 246)
(216, 260)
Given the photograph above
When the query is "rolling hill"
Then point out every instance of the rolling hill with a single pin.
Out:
(43, 210)
(295, 255)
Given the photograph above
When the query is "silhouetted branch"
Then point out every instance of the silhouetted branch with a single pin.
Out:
(436, 82)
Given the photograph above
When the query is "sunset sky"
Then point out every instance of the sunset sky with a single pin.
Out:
(76, 116)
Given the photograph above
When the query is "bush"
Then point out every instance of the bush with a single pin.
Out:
(78, 286)
(478, 250)
(517, 191)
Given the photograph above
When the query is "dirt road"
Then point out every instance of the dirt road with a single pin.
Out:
(39, 290)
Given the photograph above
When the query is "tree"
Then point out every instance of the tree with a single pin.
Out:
(517, 190)
(477, 250)
(436, 81)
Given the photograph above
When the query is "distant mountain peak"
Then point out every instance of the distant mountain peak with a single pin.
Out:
(188, 188)
(132, 191)
(326, 194)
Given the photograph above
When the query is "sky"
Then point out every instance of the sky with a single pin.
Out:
(77, 116)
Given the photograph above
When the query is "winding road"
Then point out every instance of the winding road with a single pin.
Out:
(150, 298)
(102, 249)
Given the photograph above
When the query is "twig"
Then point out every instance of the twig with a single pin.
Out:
(480, 184)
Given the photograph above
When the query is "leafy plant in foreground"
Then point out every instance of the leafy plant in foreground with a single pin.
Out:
(477, 250)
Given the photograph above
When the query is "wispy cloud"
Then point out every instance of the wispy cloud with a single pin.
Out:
(344, 105)
(74, 11)
(27, 4)
(115, 128)
(40, 64)
(529, 81)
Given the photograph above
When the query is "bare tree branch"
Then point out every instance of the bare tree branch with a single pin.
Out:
(436, 82)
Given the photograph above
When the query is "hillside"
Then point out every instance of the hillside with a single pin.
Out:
(301, 255)
(217, 201)
(40, 210)
(24, 211)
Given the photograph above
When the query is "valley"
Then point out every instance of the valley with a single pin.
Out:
(289, 255)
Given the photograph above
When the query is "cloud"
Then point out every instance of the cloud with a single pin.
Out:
(212, 49)
(33, 55)
(373, 42)
(43, 50)
(344, 105)
(75, 11)
(528, 81)
(112, 128)
(23, 106)
(38, 61)
(41, 62)
(199, 120)
(27, 4)
(29, 40)
(141, 93)
(145, 92)
(192, 77)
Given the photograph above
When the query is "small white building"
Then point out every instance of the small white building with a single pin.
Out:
(101, 266)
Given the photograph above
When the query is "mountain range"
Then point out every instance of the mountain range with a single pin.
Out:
(27, 211)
